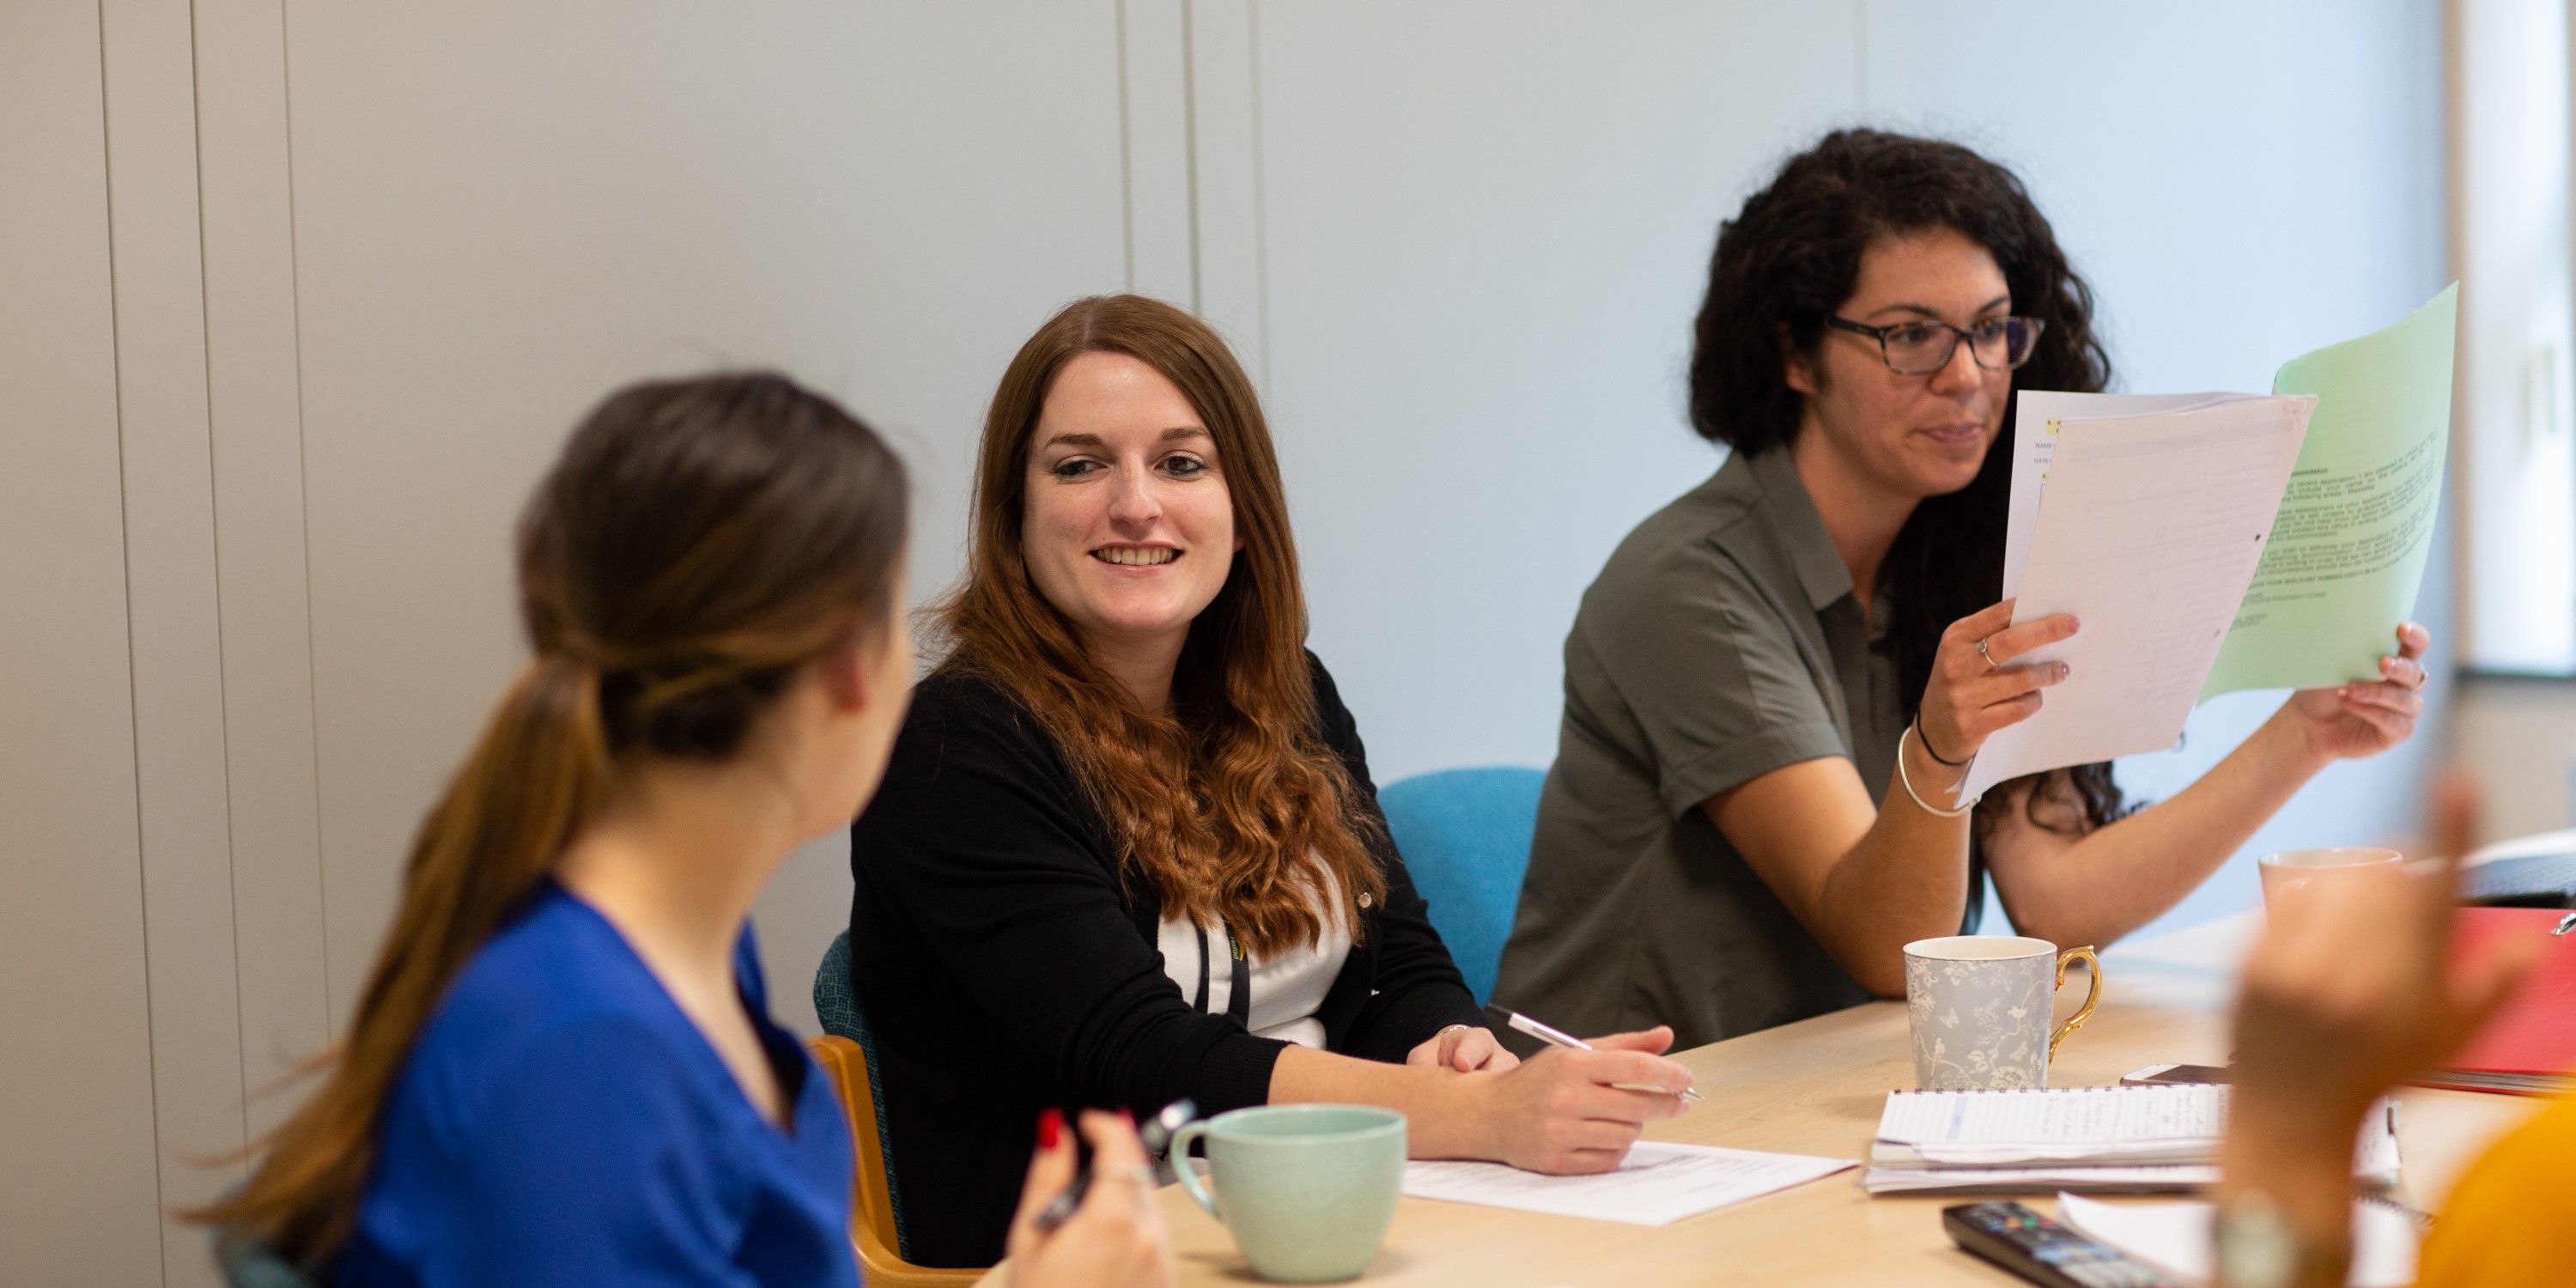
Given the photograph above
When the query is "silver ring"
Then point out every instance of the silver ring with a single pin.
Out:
(1991, 663)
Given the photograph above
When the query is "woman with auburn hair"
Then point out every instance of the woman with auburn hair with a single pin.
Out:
(563, 1068)
(1129, 850)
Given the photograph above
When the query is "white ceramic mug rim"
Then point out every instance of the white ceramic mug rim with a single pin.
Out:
(1217, 1127)
(2377, 853)
(1929, 949)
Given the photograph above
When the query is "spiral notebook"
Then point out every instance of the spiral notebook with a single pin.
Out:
(2128, 1138)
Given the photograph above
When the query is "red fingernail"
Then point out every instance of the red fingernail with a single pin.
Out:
(1128, 1116)
(1050, 1128)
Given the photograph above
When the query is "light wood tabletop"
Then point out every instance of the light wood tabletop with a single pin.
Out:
(1816, 1087)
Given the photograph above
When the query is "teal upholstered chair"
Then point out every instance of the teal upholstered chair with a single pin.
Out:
(249, 1263)
(1465, 837)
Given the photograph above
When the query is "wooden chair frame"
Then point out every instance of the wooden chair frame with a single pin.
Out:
(872, 1198)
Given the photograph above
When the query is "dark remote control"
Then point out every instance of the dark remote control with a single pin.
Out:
(2041, 1250)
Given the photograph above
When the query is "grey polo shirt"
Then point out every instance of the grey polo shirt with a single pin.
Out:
(1721, 642)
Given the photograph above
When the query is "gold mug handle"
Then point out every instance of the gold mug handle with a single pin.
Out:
(2092, 996)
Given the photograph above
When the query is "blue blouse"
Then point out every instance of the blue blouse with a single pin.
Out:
(562, 1122)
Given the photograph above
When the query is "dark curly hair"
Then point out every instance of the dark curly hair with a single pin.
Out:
(1789, 259)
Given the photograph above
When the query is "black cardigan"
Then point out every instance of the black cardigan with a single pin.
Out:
(1005, 966)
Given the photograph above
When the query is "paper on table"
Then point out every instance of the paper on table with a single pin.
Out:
(2150, 529)
(2124, 1125)
(2056, 1124)
(1657, 1184)
(2145, 1178)
(2175, 1237)
(2347, 552)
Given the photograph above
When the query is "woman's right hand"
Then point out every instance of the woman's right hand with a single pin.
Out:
(1558, 1112)
(1116, 1238)
(1973, 694)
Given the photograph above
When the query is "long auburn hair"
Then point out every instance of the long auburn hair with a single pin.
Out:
(1231, 806)
(698, 542)
(1787, 261)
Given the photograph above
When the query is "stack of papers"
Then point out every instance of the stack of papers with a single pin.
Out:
(2124, 1139)
(2217, 542)
(2175, 1237)
(1657, 1184)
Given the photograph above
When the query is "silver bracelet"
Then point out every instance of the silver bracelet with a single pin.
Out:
(1906, 777)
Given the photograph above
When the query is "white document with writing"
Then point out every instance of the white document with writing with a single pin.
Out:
(1657, 1184)
(2147, 528)
(2092, 1178)
(2124, 1125)
(2043, 413)
(2058, 1124)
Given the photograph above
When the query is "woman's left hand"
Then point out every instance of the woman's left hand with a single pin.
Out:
(1463, 1047)
(2364, 718)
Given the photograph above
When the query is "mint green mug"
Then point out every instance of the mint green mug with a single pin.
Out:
(1309, 1189)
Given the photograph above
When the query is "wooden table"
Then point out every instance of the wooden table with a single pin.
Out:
(1816, 1087)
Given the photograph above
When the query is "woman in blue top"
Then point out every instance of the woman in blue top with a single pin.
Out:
(563, 1068)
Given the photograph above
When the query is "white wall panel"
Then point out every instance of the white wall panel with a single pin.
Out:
(1154, 67)
(79, 1190)
(1487, 231)
(501, 211)
(256, 430)
(1225, 174)
(171, 592)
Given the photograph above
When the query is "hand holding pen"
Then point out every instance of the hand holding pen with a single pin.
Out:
(1573, 1108)
(1113, 1237)
(1520, 1023)
(1153, 1137)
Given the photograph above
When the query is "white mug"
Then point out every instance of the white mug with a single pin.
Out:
(1979, 1007)
(2287, 870)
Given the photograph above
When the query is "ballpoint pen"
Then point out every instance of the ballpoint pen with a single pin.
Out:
(1518, 1022)
(1154, 1134)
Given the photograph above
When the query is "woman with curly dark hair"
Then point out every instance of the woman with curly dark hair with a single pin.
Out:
(1773, 686)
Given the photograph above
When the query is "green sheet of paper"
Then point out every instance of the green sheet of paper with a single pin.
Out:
(2348, 547)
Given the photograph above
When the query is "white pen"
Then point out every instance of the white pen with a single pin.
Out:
(1514, 1020)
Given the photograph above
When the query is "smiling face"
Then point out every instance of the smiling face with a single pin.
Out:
(1127, 529)
(1907, 437)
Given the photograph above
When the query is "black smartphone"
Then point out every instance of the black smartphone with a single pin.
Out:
(2176, 1073)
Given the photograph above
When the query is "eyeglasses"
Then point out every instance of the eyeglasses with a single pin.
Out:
(1921, 348)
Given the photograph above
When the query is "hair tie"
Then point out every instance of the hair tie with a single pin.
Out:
(575, 649)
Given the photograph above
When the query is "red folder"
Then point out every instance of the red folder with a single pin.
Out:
(2529, 1048)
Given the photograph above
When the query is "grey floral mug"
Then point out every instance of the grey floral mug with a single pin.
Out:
(1979, 1007)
